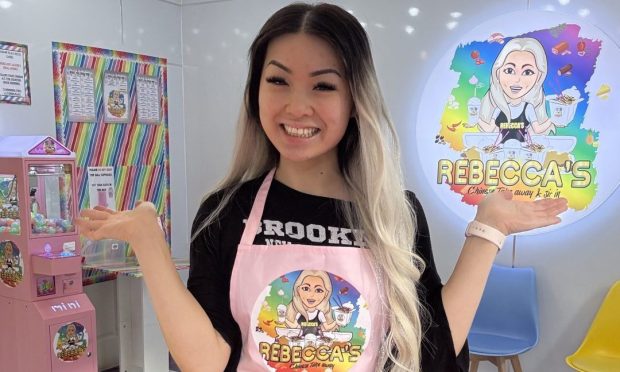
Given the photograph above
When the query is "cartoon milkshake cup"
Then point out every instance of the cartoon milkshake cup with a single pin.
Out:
(281, 309)
(473, 108)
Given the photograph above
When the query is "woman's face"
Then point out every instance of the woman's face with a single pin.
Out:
(518, 74)
(312, 291)
(304, 98)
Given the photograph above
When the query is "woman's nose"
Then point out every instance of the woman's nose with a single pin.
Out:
(299, 104)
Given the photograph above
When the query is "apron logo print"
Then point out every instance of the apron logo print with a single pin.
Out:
(313, 320)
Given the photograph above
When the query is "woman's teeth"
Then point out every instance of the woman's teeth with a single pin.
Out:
(300, 132)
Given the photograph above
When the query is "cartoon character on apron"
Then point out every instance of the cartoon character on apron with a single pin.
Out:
(305, 307)
(310, 310)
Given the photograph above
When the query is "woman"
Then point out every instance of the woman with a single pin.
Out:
(315, 184)
(310, 309)
(514, 105)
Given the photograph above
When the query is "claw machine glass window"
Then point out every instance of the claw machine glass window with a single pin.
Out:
(9, 210)
(51, 198)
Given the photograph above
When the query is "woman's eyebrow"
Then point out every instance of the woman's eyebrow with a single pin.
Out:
(312, 74)
(325, 71)
(280, 65)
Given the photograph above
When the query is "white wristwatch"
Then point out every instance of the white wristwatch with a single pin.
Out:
(475, 228)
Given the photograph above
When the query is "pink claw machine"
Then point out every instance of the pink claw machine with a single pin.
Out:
(46, 321)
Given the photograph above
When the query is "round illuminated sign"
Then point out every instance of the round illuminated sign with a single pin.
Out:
(525, 107)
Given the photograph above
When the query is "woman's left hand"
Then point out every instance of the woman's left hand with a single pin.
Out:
(131, 226)
(510, 216)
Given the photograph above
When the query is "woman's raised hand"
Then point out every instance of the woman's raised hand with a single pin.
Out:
(510, 216)
(130, 225)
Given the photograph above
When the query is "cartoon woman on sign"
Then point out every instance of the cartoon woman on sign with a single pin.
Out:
(514, 105)
(10, 267)
(116, 103)
(49, 146)
(8, 260)
(71, 337)
(309, 309)
(71, 341)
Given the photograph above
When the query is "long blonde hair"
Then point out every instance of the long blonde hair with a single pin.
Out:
(536, 96)
(371, 168)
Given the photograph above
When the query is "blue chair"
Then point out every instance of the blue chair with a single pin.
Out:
(506, 323)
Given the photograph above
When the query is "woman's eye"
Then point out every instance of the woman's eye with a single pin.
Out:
(325, 86)
(509, 70)
(276, 80)
(528, 72)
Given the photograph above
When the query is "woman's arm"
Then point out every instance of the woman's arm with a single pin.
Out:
(544, 127)
(329, 326)
(462, 293)
(291, 324)
(193, 341)
(487, 126)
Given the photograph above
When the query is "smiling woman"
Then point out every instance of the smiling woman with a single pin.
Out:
(305, 101)
(358, 287)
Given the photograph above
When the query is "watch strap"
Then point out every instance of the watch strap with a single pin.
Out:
(481, 230)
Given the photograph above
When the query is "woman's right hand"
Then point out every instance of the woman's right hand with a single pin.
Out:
(509, 216)
(130, 225)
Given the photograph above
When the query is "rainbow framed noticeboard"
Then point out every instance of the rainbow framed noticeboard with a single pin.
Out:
(112, 111)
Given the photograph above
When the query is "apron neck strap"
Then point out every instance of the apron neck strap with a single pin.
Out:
(253, 222)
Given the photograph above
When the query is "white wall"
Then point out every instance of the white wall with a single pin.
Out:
(575, 266)
(148, 27)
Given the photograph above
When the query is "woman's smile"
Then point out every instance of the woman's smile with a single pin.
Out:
(515, 89)
(300, 132)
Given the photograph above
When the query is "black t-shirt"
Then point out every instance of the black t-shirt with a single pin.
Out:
(213, 252)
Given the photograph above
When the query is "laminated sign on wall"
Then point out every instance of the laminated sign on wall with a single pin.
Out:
(14, 78)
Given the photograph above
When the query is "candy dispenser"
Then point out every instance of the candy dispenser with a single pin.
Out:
(47, 322)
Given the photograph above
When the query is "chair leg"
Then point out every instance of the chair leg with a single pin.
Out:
(499, 361)
(474, 361)
(516, 364)
(501, 364)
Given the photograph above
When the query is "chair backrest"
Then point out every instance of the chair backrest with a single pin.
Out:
(604, 332)
(509, 304)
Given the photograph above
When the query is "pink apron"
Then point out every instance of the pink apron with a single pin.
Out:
(305, 308)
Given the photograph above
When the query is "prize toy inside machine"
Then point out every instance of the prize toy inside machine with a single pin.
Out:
(47, 322)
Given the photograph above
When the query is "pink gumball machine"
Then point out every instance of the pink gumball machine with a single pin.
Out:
(46, 321)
